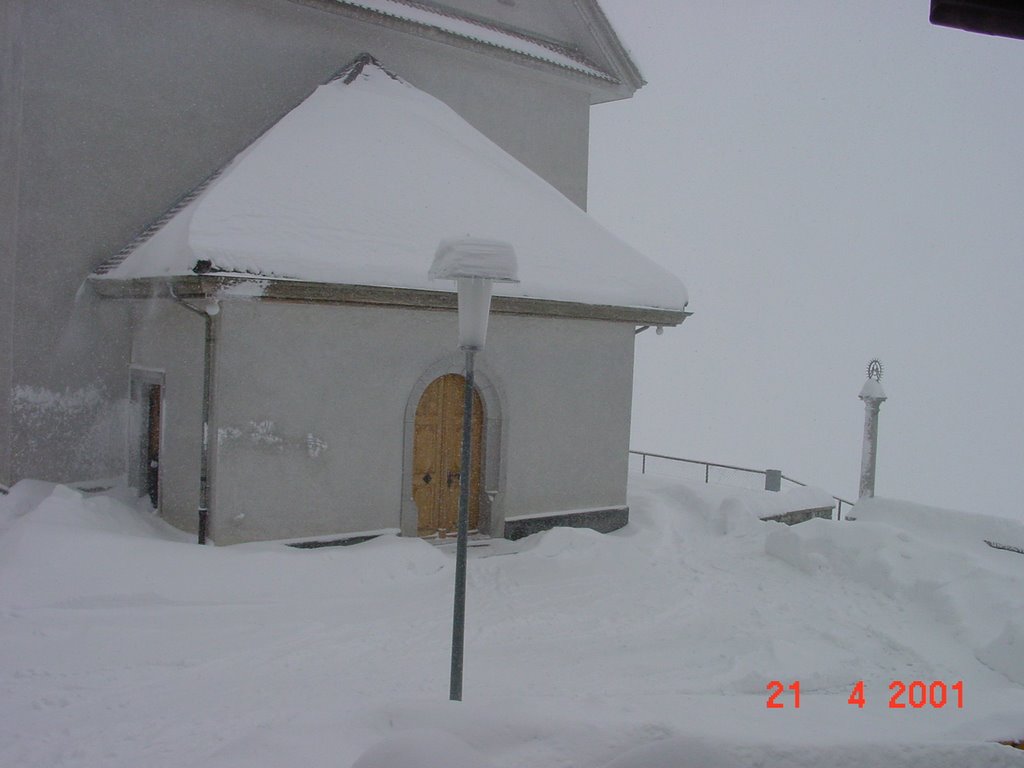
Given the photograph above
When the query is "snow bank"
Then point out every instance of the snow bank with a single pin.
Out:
(736, 511)
(60, 544)
(943, 527)
(127, 644)
(1006, 652)
(422, 748)
(742, 510)
(22, 499)
(928, 557)
(702, 753)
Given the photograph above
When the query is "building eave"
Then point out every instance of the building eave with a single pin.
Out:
(235, 287)
(626, 70)
(603, 87)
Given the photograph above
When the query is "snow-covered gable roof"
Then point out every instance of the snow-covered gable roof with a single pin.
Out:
(360, 183)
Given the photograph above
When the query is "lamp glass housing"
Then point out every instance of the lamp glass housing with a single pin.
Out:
(474, 310)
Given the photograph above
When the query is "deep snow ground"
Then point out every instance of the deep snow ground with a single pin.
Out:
(124, 644)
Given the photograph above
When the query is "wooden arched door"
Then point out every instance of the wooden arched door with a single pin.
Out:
(437, 456)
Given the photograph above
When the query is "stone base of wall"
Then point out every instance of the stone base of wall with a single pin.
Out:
(800, 515)
(600, 520)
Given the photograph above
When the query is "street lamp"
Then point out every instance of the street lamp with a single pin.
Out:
(474, 264)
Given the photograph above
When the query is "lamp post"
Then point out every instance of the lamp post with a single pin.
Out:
(474, 264)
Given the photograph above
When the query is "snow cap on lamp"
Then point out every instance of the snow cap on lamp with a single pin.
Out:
(474, 264)
(475, 257)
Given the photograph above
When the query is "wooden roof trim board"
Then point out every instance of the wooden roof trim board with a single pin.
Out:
(228, 287)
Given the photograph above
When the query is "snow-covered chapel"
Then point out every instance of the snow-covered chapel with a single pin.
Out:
(279, 295)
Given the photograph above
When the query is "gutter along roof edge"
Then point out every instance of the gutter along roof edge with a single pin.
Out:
(228, 287)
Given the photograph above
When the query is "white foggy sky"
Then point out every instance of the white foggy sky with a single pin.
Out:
(834, 181)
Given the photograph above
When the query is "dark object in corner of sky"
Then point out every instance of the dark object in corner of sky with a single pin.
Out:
(989, 17)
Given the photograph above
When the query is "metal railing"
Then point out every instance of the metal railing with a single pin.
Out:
(708, 465)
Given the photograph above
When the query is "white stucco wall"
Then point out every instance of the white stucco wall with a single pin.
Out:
(169, 340)
(311, 405)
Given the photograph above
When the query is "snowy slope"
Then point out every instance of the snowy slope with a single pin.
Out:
(124, 644)
(361, 182)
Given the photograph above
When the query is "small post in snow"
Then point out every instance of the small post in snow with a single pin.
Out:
(873, 396)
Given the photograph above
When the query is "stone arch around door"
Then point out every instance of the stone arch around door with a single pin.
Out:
(491, 516)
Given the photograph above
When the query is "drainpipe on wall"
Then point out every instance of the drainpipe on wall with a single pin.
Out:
(209, 311)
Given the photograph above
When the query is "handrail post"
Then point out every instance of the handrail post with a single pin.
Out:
(707, 473)
(643, 463)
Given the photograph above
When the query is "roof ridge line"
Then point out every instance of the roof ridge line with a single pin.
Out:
(354, 68)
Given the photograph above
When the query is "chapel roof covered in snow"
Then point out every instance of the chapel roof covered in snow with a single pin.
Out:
(356, 187)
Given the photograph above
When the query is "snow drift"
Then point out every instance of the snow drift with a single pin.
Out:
(125, 644)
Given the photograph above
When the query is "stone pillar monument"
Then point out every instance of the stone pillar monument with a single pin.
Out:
(873, 396)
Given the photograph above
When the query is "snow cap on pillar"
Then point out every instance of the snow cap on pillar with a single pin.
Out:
(474, 264)
(872, 390)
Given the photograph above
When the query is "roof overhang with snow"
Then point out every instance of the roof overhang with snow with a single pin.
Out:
(226, 287)
(574, 40)
(346, 199)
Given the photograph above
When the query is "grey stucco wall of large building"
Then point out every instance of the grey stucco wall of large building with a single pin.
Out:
(311, 403)
(114, 108)
(10, 142)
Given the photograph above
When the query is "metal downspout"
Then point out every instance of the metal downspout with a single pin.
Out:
(209, 314)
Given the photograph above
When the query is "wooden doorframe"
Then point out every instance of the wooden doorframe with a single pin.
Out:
(492, 515)
(140, 431)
